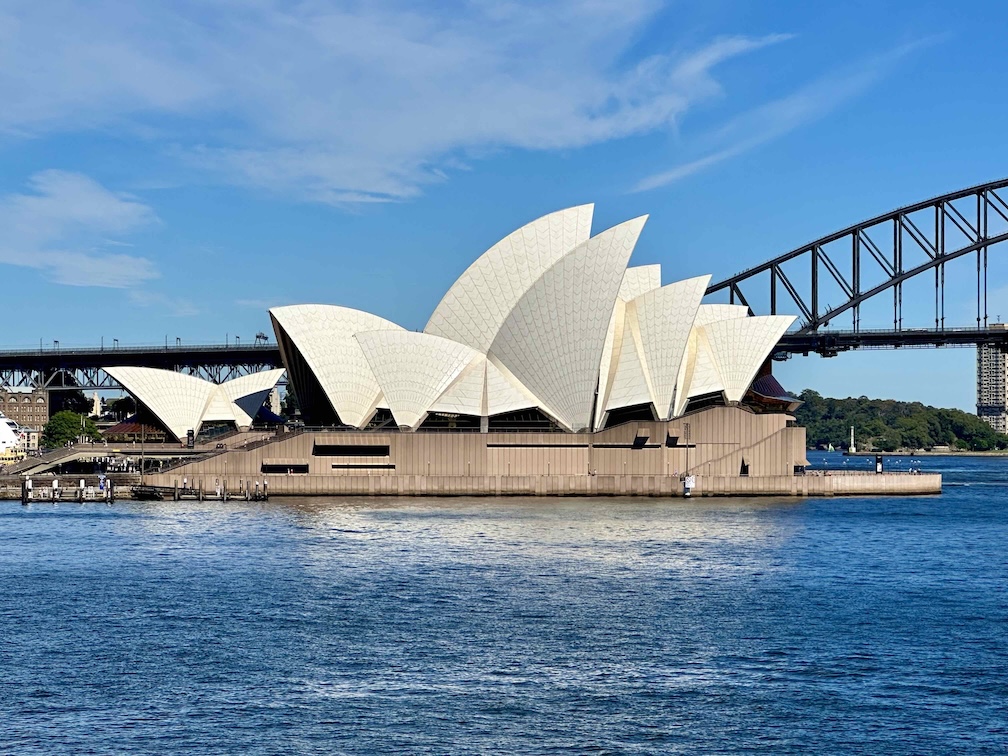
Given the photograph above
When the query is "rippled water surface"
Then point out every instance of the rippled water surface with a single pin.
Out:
(511, 625)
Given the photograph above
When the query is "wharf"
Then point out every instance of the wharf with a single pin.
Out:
(147, 492)
(67, 488)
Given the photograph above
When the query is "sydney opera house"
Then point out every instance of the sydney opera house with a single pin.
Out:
(549, 324)
(551, 365)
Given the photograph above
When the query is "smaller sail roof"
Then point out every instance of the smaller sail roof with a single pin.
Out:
(184, 402)
(741, 345)
(414, 369)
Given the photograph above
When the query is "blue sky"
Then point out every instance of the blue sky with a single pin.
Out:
(174, 169)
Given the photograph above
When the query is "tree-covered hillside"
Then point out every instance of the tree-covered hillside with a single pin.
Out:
(888, 425)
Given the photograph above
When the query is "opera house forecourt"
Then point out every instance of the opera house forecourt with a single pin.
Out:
(551, 367)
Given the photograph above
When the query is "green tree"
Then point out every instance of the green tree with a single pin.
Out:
(122, 408)
(290, 405)
(68, 426)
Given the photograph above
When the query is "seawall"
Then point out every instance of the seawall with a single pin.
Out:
(885, 484)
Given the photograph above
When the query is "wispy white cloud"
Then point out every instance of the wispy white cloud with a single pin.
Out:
(258, 304)
(62, 225)
(177, 307)
(346, 103)
(779, 117)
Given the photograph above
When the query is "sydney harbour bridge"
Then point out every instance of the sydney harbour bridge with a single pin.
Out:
(848, 290)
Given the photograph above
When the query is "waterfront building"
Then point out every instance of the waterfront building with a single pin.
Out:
(992, 388)
(27, 407)
(551, 366)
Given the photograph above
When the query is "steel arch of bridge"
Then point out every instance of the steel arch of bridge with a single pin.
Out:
(959, 225)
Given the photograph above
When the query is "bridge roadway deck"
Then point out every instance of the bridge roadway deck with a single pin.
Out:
(48, 361)
(172, 356)
(830, 343)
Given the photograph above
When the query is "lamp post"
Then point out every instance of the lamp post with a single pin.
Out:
(686, 434)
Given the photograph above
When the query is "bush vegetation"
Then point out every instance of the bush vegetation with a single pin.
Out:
(888, 425)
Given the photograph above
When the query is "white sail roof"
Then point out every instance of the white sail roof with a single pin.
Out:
(249, 392)
(503, 394)
(476, 305)
(184, 402)
(636, 281)
(482, 390)
(651, 351)
(548, 317)
(662, 319)
(176, 399)
(741, 345)
(552, 340)
(702, 375)
(324, 338)
(414, 369)
(467, 394)
(698, 373)
(629, 386)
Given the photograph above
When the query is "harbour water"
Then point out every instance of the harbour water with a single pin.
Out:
(843, 625)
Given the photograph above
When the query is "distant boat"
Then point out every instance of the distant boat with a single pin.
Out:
(831, 448)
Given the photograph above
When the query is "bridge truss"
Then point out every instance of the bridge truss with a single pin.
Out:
(876, 259)
(67, 369)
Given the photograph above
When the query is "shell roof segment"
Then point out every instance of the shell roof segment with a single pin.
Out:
(324, 337)
(414, 369)
(466, 394)
(249, 392)
(630, 385)
(552, 340)
(184, 402)
(477, 304)
(699, 373)
(176, 399)
(662, 319)
(741, 345)
(636, 281)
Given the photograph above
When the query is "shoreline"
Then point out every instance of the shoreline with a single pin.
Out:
(997, 453)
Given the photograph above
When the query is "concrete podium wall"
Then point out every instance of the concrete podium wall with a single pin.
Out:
(634, 459)
(720, 438)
